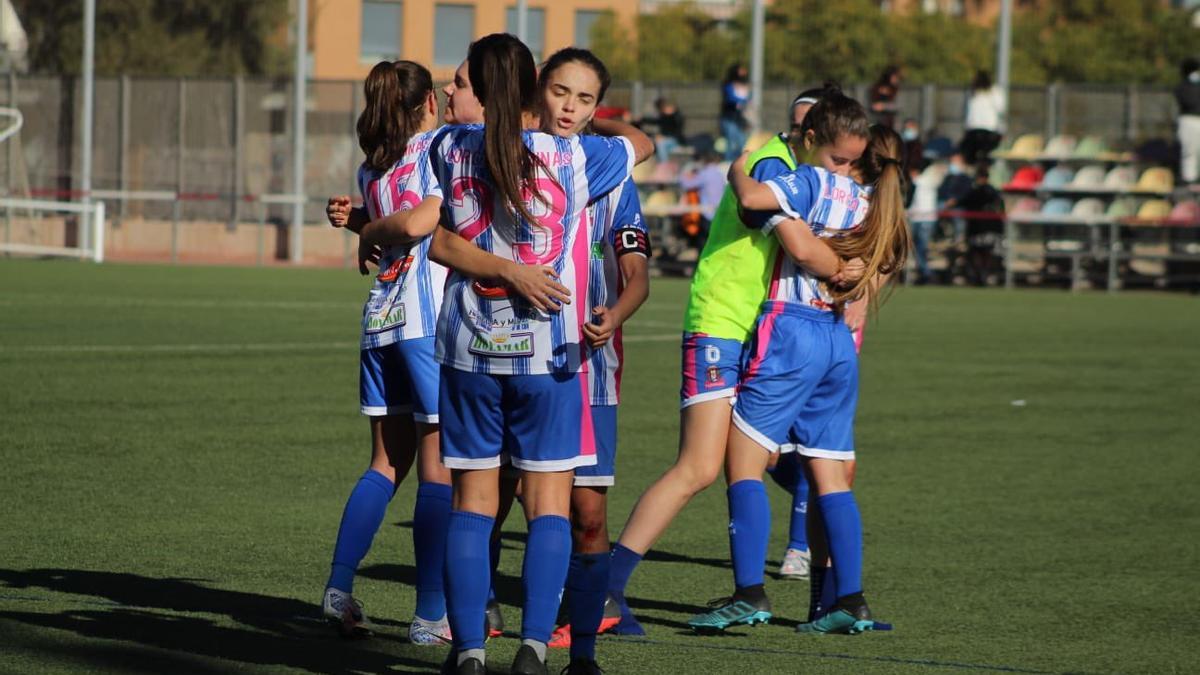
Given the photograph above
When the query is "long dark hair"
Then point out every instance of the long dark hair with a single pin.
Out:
(504, 78)
(567, 55)
(833, 115)
(982, 81)
(395, 92)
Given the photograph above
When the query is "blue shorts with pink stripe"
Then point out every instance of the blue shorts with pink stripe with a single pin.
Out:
(800, 382)
(535, 422)
(712, 367)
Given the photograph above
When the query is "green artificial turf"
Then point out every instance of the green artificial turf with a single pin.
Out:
(178, 443)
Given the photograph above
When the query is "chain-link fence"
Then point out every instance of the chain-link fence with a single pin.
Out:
(201, 167)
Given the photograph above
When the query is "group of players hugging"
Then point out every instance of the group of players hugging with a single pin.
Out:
(510, 249)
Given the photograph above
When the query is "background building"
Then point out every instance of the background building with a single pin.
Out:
(349, 36)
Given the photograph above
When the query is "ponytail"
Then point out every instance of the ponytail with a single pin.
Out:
(883, 240)
(504, 77)
(394, 92)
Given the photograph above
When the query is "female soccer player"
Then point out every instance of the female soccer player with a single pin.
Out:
(573, 82)
(729, 285)
(801, 380)
(398, 378)
(511, 372)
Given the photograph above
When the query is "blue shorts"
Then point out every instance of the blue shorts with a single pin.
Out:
(801, 383)
(603, 472)
(712, 368)
(400, 378)
(535, 422)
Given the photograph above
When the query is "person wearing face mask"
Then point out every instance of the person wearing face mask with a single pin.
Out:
(914, 148)
(1187, 94)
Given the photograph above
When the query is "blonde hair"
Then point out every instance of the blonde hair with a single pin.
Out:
(883, 239)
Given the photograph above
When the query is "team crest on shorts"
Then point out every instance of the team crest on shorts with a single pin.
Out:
(713, 375)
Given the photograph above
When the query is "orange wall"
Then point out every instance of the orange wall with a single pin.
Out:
(336, 27)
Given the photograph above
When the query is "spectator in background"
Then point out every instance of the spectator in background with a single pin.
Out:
(1187, 94)
(668, 126)
(984, 234)
(707, 178)
(735, 96)
(954, 187)
(923, 214)
(883, 96)
(914, 149)
(985, 108)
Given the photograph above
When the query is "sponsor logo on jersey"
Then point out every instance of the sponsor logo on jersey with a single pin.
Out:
(398, 268)
(502, 343)
(597, 250)
(385, 318)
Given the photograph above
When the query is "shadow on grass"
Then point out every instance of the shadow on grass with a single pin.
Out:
(272, 630)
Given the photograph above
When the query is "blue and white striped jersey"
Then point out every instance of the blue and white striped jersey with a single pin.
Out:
(617, 230)
(831, 205)
(404, 301)
(481, 329)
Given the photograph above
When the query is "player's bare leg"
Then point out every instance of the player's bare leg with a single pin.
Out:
(703, 429)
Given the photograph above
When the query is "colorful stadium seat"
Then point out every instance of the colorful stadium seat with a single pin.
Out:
(1156, 179)
(1089, 177)
(1026, 178)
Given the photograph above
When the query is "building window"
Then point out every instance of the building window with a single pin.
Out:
(584, 20)
(381, 23)
(453, 31)
(535, 29)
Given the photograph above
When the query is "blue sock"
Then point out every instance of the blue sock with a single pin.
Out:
(494, 558)
(467, 577)
(544, 573)
(624, 561)
(829, 593)
(787, 472)
(749, 531)
(843, 528)
(816, 590)
(430, 516)
(361, 518)
(798, 529)
(587, 584)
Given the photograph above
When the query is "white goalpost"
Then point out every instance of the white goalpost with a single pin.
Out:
(43, 228)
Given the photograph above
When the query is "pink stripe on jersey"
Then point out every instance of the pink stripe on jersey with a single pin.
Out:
(762, 339)
(587, 431)
(579, 258)
(858, 337)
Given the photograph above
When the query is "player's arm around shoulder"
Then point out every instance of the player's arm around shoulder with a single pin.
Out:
(538, 284)
(403, 227)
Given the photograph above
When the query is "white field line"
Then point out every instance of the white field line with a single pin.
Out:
(230, 347)
(180, 303)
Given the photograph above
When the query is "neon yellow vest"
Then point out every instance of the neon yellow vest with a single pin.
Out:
(734, 269)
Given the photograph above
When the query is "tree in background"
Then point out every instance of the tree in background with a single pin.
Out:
(1098, 41)
(161, 37)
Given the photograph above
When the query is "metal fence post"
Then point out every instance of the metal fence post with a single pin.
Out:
(179, 143)
(635, 99)
(1131, 112)
(1010, 245)
(928, 107)
(123, 148)
(1051, 111)
(354, 104)
(1114, 250)
(10, 156)
(239, 133)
